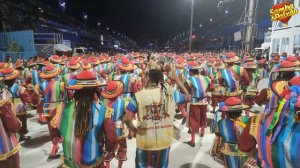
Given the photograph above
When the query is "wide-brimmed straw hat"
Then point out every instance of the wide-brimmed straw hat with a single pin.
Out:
(286, 66)
(94, 61)
(293, 59)
(231, 58)
(73, 64)
(250, 65)
(193, 65)
(85, 64)
(113, 89)
(262, 61)
(9, 73)
(19, 63)
(232, 104)
(55, 59)
(50, 71)
(180, 64)
(84, 80)
(3, 65)
(125, 65)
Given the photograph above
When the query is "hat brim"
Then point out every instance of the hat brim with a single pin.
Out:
(115, 93)
(289, 69)
(232, 60)
(77, 66)
(235, 108)
(43, 75)
(130, 67)
(55, 61)
(19, 65)
(278, 86)
(13, 75)
(80, 86)
(86, 66)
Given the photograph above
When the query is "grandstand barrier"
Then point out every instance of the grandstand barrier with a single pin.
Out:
(17, 55)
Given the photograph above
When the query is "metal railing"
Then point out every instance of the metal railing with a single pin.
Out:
(16, 55)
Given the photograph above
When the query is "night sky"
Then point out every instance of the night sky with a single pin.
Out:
(142, 20)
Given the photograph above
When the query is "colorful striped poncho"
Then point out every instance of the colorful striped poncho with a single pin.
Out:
(79, 153)
(230, 81)
(199, 86)
(52, 92)
(129, 82)
(35, 77)
(230, 131)
(17, 90)
(117, 110)
(9, 144)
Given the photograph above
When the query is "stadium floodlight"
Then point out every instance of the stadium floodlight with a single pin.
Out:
(107, 28)
(85, 16)
(98, 24)
(210, 19)
(226, 12)
(200, 25)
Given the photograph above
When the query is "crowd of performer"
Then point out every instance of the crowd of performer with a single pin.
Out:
(94, 103)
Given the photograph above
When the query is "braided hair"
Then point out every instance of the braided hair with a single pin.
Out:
(84, 99)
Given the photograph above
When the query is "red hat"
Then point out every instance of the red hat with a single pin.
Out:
(3, 65)
(262, 61)
(193, 65)
(50, 71)
(295, 81)
(9, 73)
(180, 64)
(85, 64)
(293, 59)
(233, 104)
(210, 61)
(85, 79)
(55, 58)
(31, 63)
(191, 57)
(125, 65)
(19, 63)
(73, 64)
(231, 58)
(286, 66)
(113, 89)
(248, 59)
(94, 61)
(202, 58)
(250, 65)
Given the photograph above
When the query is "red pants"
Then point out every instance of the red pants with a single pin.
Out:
(23, 130)
(54, 133)
(197, 118)
(181, 107)
(122, 150)
(11, 162)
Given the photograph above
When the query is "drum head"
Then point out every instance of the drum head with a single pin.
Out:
(262, 84)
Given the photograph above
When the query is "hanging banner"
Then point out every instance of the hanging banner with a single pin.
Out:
(283, 12)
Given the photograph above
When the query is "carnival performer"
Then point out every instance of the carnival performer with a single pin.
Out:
(284, 73)
(73, 67)
(52, 92)
(55, 60)
(85, 125)
(198, 86)
(154, 107)
(262, 69)
(19, 96)
(251, 90)
(9, 124)
(116, 106)
(230, 128)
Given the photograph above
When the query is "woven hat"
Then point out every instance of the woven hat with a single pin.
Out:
(191, 57)
(31, 63)
(113, 89)
(63, 59)
(262, 61)
(73, 64)
(55, 59)
(94, 61)
(180, 64)
(232, 104)
(85, 64)
(19, 63)
(248, 59)
(231, 58)
(50, 71)
(43, 63)
(279, 87)
(3, 65)
(125, 65)
(9, 73)
(193, 65)
(293, 59)
(210, 61)
(250, 65)
(286, 66)
(84, 80)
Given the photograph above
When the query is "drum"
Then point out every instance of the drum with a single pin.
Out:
(262, 84)
(215, 151)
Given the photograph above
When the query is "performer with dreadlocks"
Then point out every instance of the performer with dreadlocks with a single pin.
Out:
(85, 125)
(154, 107)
